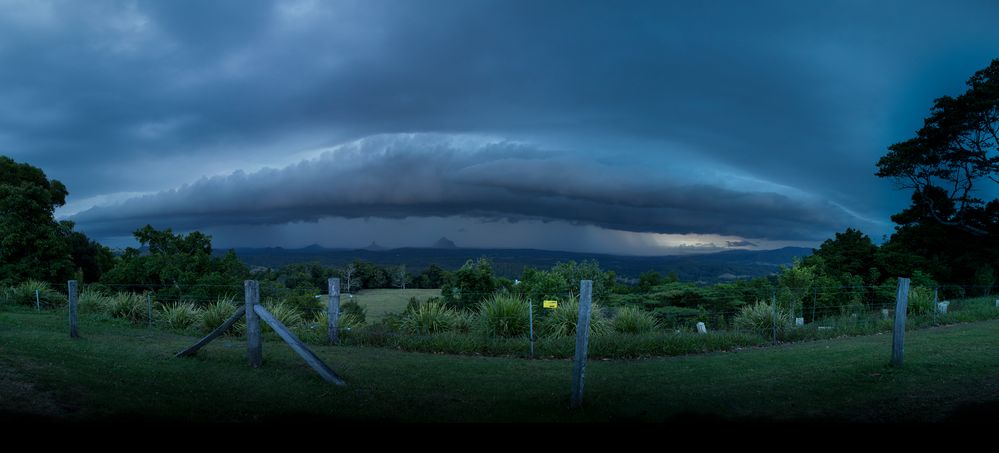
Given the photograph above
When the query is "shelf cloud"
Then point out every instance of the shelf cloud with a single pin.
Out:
(410, 175)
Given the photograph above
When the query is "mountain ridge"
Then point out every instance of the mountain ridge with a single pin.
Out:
(707, 268)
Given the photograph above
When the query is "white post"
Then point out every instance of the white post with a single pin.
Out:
(38, 303)
(701, 328)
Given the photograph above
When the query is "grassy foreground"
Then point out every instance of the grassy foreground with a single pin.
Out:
(120, 372)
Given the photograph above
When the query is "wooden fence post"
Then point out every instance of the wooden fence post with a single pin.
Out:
(333, 318)
(72, 310)
(773, 314)
(254, 343)
(582, 342)
(530, 322)
(898, 338)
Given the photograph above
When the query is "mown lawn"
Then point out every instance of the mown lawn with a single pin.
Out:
(380, 302)
(119, 372)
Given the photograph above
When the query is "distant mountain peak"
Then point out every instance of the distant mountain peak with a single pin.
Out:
(313, 247)
(444, 243)
(374, 247)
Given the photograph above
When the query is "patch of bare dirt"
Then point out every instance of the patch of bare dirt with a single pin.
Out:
(19, 396)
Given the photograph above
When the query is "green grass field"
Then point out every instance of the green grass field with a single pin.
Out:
(380, 302)
(120, 372)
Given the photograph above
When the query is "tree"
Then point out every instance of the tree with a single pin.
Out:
(32, 243)
(180, 266)
(399, 276)
(347, 274)
(470, 284)
(984, 279)
(955, 150)
(433, 277)
(850, 252)
(647, 280)
(371, 276)
(91, 258)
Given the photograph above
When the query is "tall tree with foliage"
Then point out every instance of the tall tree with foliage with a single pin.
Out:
(953, 159)
(956, 150)
(32, 244)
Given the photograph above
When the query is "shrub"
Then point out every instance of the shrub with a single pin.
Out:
(356, 311)
(504, 315)
(180, 315)
(428, 318)
(561, 322)
(216, 313)
(674, 317)
(634, 320)
(306, 304)
(393, 321)
(760, 317)
(24, 294)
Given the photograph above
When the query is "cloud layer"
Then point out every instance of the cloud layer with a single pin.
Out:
(409, 175)
(117, 97)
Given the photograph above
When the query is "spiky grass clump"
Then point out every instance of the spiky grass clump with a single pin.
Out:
(561, 322)
(128, 306)
(504, 315)
(213, 315)
(24, 294)
(920, 301)
(465, 321)
(93, 300)
(763, 319)
(428, 318)
(634, 320)
(285, 313)
(180, 315)
(349, 321)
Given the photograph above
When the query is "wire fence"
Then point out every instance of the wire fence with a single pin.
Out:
(624, 324)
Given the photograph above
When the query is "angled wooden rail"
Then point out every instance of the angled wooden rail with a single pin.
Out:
(240, 312)
(310, 358)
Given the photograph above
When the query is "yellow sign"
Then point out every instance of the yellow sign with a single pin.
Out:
(551, 304)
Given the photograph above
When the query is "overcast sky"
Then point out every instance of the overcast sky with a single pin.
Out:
(616, 127)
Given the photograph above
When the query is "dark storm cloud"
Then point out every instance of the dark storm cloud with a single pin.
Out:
(398, 177)
(141, 96)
